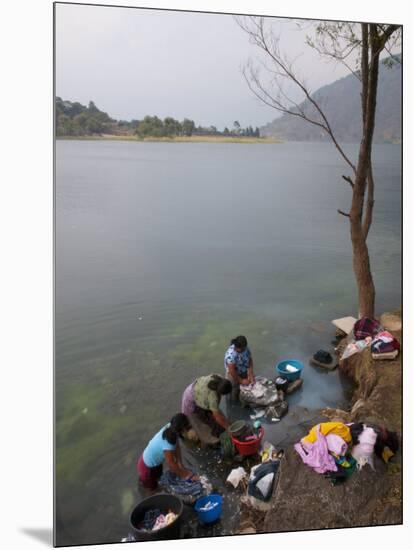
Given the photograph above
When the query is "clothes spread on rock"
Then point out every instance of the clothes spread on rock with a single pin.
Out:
(314, 451)
(363, 451)
(336, 444)
(337, 428)
(241, 360)
(384, 342)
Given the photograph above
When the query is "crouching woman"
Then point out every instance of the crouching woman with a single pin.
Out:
(164, 447)
(200, 402)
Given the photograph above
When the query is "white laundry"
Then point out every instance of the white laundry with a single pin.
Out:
(236, 476)
(291, 368)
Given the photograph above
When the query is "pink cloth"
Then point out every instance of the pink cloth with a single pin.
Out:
(316, 454)
(188, 404)
(336, 444)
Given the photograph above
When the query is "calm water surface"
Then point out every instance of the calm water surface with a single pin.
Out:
(167, 251)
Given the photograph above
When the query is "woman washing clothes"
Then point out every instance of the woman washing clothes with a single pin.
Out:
(239, 366)
(164, 446)
(200, 402)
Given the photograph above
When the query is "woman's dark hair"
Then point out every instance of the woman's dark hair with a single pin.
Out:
(221, 385)
(239, 342)
(179, 423)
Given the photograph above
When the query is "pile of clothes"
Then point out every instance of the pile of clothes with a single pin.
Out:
(188, 490)
(336, 450)
(369, 333)
(154, 520)
(263, 393)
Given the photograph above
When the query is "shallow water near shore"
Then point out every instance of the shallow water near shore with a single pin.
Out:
(164, 252)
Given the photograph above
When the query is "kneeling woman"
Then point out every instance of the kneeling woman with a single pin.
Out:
(164, 446)
(200, 403)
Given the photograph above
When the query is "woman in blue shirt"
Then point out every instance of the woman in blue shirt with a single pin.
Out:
(239, 366)
(164, 446)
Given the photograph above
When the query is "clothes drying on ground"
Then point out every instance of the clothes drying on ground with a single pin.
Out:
(385, 342)
(315, 452)
(346, 466)
(337, 428)
(336, 444)
(364, 449)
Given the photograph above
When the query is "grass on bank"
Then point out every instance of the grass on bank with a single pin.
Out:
(177, 139)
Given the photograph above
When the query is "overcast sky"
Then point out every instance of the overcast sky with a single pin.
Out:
(137, 62)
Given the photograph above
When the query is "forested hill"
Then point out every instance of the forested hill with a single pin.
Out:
(341, 103)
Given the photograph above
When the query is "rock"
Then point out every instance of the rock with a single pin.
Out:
(327, 366)
(293, 386)
(305, 500)
(122, 409)
(391, 322)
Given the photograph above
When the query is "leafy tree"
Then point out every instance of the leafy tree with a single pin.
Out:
(188, 127)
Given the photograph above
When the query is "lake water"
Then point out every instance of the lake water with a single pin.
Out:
(164, 252)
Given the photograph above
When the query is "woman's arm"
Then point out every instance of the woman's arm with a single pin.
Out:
(175, 466)
(220, 419)
(251, 377)
(232, 368)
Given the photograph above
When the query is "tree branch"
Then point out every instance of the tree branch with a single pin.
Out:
(350, 181)
(343, 213)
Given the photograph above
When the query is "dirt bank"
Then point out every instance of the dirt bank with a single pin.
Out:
(304, 500)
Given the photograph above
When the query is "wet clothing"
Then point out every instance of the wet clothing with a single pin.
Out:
(149, 476)
(240, 359)
(153, 454)
(204, 397)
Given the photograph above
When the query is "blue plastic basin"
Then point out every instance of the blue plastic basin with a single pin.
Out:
(212, 515)
(290, 376)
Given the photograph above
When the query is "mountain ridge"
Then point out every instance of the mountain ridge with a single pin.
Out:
(341, 103)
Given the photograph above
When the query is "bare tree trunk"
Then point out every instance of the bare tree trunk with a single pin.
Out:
(363, 177)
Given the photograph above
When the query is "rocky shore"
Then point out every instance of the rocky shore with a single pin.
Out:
(304, 500)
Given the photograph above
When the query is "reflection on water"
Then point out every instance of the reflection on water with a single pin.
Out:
(164, 253)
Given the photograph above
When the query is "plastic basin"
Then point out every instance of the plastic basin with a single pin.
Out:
(290, 376)
(247, 448)
(165, 503)
(209, 516)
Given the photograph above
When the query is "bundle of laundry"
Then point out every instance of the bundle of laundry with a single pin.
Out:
(387, 444)
(155, 519)
(364, 439)
(385, 346)
(261, 393)
(262, 480)
(356, 346)
(323, 443)
(187, 489)
(365, 327)
(237, 476)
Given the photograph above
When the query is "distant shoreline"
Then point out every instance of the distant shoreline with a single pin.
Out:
(178, 139)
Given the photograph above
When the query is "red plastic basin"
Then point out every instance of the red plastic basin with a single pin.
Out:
(247, 448)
